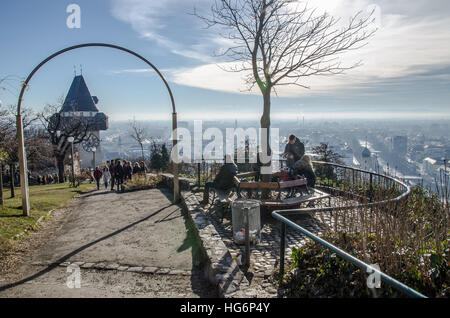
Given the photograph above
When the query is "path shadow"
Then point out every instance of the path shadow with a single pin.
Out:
(78, 250)
(200, 285)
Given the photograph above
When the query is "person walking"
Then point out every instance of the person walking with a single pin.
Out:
(143, 168)
(98, 175)
(136, 168)
(106, 176)
(111, 172)
(129, 170)
(119, 174)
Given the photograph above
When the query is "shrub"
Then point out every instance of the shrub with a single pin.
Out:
(409, 240)
(141, 182)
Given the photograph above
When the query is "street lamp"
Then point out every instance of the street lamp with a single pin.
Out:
(71, 139)
(93, 149)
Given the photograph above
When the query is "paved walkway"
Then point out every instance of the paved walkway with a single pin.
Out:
(132, 244)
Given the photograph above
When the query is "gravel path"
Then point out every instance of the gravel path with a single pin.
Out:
(132, 244)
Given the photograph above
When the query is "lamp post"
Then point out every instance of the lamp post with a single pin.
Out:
(94, 149)
(70, 139)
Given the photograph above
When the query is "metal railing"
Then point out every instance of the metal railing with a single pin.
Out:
(367, 268)
(337, 177)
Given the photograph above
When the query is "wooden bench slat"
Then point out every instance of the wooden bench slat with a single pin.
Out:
(247, 174)
(292, 183)
(258, 185)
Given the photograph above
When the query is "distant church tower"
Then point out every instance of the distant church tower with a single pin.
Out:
(80, 104)
(366, 156)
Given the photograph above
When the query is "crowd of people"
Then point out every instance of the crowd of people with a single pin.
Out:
(114, 173)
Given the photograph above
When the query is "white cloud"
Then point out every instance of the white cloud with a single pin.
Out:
(413, 39)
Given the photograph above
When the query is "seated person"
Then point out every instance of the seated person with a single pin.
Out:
(225, 179)
(293, 151)
(304, 167)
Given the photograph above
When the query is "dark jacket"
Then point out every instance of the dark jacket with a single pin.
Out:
(119, 171)
(129, 170)
(98, 174)
(297, 149)
(225, 178)
(111, 170)
(302, 167)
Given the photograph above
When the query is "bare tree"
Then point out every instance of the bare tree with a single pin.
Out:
(282, 42)
(60, 128)
(8, 140)
(139, 134)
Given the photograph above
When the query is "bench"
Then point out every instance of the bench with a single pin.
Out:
(291, 186)
(251, 190)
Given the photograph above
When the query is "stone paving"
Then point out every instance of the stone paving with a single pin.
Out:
(216, 235)
(266, 254)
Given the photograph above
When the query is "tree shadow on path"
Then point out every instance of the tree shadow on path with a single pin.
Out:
(78, 250)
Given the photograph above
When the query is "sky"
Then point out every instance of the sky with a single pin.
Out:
(405, 71)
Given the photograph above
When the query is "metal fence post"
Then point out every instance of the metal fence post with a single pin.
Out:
(198, 173)
(282, 250)
(371, 188)
(247, 238)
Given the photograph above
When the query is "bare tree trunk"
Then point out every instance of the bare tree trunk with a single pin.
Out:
(142, 150)
(12, 171)
(265, 124)
(60, 166)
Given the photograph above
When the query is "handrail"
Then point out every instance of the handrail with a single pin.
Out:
(386, 278)
(284, 221)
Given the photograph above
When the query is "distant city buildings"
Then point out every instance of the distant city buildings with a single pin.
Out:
(399, 145)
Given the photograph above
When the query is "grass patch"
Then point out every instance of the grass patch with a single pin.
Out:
(43, 198)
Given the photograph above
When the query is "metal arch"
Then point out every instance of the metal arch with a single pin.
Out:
(19, 123)
(25, 84)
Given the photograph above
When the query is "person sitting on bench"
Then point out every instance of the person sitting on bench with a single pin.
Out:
(304, 167)
(225, 179)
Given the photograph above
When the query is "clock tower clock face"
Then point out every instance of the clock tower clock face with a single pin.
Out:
(90, 143)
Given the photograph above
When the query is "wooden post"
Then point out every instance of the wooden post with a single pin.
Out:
(23, 168)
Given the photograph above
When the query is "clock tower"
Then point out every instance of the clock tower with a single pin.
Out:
(81, 105)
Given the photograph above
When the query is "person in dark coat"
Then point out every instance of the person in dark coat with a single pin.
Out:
(98, 176)
(304, 167)
(111, 171)
(293, 151)
(119, 174)
(224, 180)
(143, 168)
(128, 170)
(136, 168)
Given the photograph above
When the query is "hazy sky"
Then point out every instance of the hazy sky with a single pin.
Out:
(406, 69)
